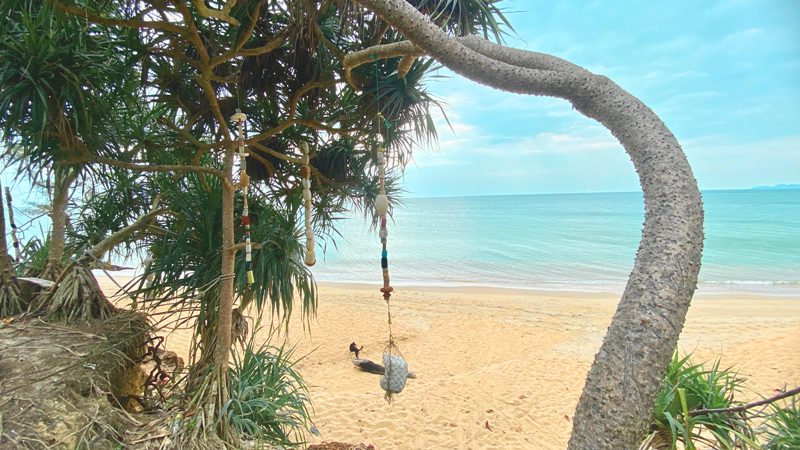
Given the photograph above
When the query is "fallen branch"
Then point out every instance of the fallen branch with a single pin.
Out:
(371, 367)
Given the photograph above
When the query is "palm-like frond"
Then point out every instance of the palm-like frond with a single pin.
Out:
(691, 387)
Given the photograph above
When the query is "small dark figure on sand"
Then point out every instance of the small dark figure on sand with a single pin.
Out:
(354, 348)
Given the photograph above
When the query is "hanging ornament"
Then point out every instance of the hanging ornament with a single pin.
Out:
(395, 366)
(305, 174)
(244, 182)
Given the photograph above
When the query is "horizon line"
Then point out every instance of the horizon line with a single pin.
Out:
(756, 188)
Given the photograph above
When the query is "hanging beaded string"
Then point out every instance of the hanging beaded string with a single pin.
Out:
(395, 367)
(382, 201)
(305, 174)
(244, 182)
(14, 239)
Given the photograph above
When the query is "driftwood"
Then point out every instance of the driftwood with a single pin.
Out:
(371, 367)
(37, 281)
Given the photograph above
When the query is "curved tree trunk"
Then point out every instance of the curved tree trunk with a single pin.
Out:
(58, 236)
(616, 406)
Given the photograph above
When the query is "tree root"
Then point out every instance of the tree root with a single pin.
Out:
(51, 271)
(78, 297)
(11, 299)
(199, 426)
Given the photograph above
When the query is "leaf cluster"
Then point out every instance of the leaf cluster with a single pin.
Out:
(268, 399)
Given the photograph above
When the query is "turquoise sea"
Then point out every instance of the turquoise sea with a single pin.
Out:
(564, 241)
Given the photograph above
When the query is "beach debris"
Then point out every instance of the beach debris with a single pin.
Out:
(37, 281)
(487, 426)
(371, 367)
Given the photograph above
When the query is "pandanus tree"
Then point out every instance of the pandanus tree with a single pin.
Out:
(282, 64)
(53, 74)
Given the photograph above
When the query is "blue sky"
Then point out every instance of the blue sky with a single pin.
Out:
(723, 75)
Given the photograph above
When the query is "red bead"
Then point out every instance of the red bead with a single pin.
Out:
(245, 220)
(387, 289)
(305, 171)
(383, 223)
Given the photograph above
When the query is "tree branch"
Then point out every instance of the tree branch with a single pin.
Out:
(184, 133)
(221, 14)
(242, 246)
(774, 399)
(174, 54)
(320, 127)
(327, 43)
(272, 45)
(278, 155)
(393, 50)
(156, 168)
(163, 26)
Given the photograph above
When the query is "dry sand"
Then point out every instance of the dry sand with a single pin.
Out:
(500, 368)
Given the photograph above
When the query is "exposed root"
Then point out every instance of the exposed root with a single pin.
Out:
(78, 297)
(199, 427)
(51, 271)
(11, 298)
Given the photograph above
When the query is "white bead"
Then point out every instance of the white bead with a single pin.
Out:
(382, 204)
(308, 221)
(151, 277)
(308, 206)
(381, 172)
(307, 194)
(311, 257)
(380, 155)
(383, 233)
(239, 116)
(304, 147)
(306, 183)
(309, 244)
(309, 233)
(305, 159)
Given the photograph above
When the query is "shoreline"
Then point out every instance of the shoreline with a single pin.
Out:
(703, 289)
(790, 290)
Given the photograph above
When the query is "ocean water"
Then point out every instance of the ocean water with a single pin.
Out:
(563, 241)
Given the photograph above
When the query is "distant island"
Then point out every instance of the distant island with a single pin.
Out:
(779, 186)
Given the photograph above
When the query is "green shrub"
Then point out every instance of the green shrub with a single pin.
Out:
(690, 387)
(783, 427)
(268, 401)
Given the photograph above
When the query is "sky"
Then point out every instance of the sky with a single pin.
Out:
(723, 75)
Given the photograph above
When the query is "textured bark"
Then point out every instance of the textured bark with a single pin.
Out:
(10, 293)
(58, 235)
(223, 331)
(616, 406)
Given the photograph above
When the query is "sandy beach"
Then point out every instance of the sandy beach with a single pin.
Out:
(500, 368)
